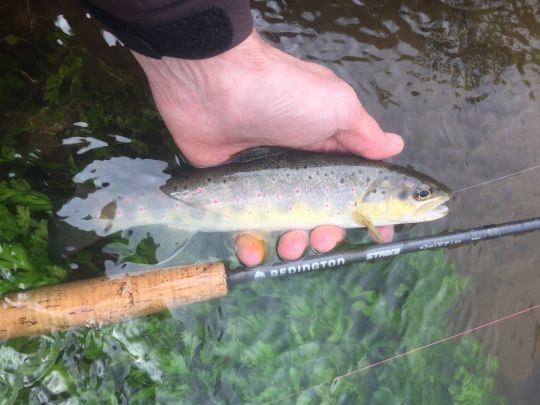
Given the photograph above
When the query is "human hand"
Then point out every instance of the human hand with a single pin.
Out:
(255, 95)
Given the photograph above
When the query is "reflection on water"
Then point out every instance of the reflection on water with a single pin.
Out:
(460, 80)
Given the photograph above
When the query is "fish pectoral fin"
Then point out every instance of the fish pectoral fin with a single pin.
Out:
(361, 219)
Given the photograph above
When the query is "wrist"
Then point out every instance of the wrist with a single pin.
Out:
(252, 53)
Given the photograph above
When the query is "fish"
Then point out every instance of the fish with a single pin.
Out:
(278, 191)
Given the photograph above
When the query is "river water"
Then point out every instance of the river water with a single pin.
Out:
(460, 81)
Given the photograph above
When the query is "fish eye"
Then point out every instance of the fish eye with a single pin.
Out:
(423, 192)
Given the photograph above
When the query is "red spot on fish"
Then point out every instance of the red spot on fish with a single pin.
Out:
(259, 195)
(141, 210)
(119, 213)
(178, 205)
(199, 190)
(296, 191)
(216, 201)
(353, 189)
(327, 205)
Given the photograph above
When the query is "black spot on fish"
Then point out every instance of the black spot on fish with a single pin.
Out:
(108, 227)
(105, 184)
(356, 203)
(175, 188)
(208, 179)
(402, 195)
(374, 191)
(368, 179)
(386, 177)
(309, 177)
(383, 192)
(185, 187)
(379, 171)
(305, 166)
(342, 180)
(224, 181)
(326, 175)
(108, 211)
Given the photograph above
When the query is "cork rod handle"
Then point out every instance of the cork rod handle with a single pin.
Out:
(100, 301)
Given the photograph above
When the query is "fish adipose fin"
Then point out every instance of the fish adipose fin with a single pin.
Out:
(363, 220)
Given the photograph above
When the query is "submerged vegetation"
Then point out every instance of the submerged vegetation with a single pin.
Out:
(273, 341)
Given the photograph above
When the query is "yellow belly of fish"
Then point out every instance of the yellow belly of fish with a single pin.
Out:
(298, 216)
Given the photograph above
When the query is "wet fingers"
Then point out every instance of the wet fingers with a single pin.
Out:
(326, 237)
(292, 244)
(386, 234)
(250, 249)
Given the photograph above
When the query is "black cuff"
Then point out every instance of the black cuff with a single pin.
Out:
(181, 29)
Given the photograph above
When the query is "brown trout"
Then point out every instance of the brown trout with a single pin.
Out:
(286, 190)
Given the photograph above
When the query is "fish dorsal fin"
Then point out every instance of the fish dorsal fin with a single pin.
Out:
(261, 152)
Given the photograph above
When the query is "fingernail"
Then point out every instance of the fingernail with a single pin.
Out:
(394, 138)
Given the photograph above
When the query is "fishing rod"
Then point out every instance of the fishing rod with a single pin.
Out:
(99, 301)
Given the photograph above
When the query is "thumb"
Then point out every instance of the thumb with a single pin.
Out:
(366, 138)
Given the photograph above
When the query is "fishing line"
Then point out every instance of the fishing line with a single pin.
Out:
(417, 349)
(498, 178)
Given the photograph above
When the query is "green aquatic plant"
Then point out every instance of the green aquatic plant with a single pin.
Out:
(272, 341)
(24, 260)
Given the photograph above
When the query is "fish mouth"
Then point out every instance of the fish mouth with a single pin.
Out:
(435, 213)
(434, 210)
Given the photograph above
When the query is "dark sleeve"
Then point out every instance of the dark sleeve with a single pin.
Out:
(187, 29)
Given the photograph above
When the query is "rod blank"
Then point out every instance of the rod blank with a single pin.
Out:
(374, 252)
